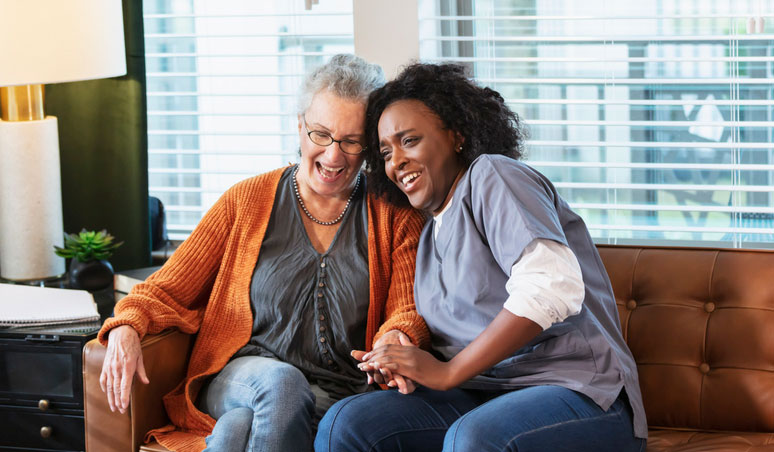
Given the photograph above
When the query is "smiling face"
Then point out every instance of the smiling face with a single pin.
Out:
(420, 155)
(326, 170)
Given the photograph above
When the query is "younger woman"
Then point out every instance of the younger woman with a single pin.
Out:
(527, 349)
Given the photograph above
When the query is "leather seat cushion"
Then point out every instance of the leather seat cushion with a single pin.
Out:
(692, 441)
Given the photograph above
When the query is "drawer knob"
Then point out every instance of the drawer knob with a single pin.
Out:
(43, 404)
(46, 431)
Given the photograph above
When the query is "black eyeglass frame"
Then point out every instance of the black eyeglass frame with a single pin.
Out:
(330, 140)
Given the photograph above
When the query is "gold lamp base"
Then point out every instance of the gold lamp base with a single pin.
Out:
(22, 103)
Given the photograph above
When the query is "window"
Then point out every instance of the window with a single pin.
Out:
(654, 119)
(222, 83)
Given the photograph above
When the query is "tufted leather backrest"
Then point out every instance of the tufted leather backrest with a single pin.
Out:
(700, 323)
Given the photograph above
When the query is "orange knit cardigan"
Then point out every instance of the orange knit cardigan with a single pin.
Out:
(204, 289)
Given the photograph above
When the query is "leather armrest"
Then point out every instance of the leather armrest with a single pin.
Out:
(165, 356)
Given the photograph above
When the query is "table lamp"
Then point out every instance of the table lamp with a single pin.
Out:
(44, 41)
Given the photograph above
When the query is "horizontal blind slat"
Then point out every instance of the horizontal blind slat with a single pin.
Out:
(671, 208)
(618, 40)
(668, 187)
(585, 17)
(651, 144)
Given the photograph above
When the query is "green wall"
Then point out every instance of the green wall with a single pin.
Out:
(104, 150)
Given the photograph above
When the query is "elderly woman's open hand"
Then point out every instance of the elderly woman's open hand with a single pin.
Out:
(404, 385)
(122, 360)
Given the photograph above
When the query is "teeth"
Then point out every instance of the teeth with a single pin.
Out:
(328, 169)
(409, 177)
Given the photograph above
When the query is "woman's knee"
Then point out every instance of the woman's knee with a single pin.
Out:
(344, 418)
(347, 425)
(283, 375)
(259, 384)
(467, 434)
(283, 385)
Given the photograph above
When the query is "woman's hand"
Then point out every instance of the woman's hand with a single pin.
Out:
(122, 360)
(404, 385)
(413, 363)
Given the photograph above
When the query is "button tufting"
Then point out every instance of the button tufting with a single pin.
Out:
(631, 304)
(704, 368)
(709, 306)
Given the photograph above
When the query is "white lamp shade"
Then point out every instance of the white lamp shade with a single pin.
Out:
(54, 41)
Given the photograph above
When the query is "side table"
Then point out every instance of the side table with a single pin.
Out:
(41, 383)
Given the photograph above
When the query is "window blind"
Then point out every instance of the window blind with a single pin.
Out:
(654, 119)
(222, 82)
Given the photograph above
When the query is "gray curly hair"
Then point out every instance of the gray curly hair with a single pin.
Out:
(345, 75)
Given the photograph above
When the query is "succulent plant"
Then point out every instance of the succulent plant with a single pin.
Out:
(87, 246)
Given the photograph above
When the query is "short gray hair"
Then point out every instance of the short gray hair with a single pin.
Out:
(345, 75)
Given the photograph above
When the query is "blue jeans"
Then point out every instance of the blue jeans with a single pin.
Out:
(261, 404)
(539, 418)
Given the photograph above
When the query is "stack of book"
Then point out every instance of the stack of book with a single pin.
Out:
(124, 281)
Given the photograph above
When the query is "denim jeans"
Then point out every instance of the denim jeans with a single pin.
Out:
(539, 418)
(262, 404)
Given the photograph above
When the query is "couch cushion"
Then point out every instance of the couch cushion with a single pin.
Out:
(698, 322)
(678, 441)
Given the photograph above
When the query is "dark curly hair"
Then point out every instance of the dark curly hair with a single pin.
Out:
(477, 113)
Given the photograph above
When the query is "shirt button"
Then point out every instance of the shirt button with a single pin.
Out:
(322, 317)
(322, 328)
(322, 339)
(325, 350)
(330, 361)
(322, 265)
(321, 285)
(319, 294)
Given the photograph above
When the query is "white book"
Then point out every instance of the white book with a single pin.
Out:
(22, 305)
(123, 281)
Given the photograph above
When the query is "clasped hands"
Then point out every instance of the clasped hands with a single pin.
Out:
(397, 362)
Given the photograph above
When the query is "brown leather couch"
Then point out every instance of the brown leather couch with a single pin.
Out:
(700, 323)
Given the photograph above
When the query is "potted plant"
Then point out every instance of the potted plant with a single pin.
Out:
(89, 251)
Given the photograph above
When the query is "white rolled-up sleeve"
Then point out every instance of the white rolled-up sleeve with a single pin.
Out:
(546, 284)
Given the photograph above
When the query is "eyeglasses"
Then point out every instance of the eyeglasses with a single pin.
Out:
(325, 139)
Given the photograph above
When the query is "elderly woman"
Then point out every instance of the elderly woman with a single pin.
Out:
(284, 275)
(528, 352)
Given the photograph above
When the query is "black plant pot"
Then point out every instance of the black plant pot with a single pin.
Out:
(92, 275)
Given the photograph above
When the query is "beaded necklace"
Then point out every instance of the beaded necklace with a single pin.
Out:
(309, 215)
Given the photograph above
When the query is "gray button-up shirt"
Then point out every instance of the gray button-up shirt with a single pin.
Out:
(310, 309)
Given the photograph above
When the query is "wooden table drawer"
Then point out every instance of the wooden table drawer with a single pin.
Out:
(22, 429)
